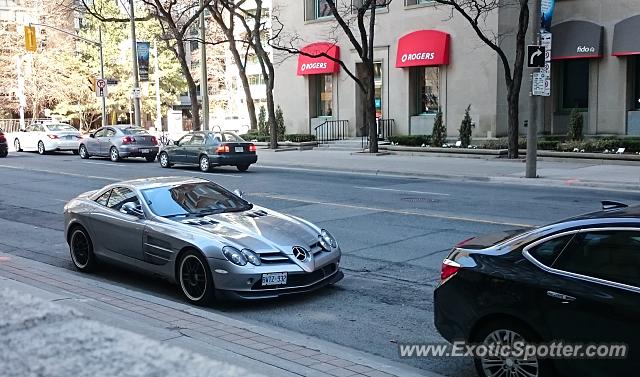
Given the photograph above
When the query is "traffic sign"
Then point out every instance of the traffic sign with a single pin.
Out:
(136, 93)
(541, 85)
(101, 88)
(101, 83)
(535, 56)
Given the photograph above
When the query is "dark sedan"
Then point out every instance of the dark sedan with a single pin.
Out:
(118, 142)
(4, 148)
(576, 282)
(208, 149)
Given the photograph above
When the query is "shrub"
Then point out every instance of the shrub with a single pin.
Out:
(412, 140)
(576, 122)
(260, 137)
(465, 128)
(262, 121)
(280, 123)
(548, 145)
(300, 138)
(439, 133)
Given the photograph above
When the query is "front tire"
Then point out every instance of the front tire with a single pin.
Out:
(509, 332)
(150, 158)
(16, 145)
(114, 155)
(195, 279)
(164, 160)
(41, 149)
(205, 165)
(81, 249)
(242, 167)
(84, 153)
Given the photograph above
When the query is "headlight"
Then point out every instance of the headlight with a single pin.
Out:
(234, 256)
(327, 241)
(251, 257)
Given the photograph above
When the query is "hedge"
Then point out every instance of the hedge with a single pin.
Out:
(411, 140)
(295, 138)
(299, 138)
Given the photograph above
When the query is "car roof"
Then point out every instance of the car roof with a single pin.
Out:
(154, 182)
(627, 213)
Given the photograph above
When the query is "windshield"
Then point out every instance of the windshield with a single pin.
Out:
(134, 131)
(60, 127)
(193, 199)
(228, 137)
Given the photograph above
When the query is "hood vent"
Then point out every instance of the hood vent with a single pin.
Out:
(201, 222)
(255, 214)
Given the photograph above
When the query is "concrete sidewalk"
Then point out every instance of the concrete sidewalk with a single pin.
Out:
(132, 333)
(557, 173)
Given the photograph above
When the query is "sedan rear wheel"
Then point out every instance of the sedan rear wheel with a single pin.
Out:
(509, 333)
(242, 167)
(195, 278)
(164, 160)
(114, 155)
(81, 250)
(16, 145)
(84, 153)
(150, 158)
(204, 164)
(41, 149)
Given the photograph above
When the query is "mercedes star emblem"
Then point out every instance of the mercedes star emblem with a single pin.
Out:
(300, 253)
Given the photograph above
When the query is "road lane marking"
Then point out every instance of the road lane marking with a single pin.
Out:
(62, 173)
(400, 212)
(405, 191)
(102, 163)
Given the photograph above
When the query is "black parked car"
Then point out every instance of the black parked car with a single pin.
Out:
(577, 281)
(208, 149)
(4, 148)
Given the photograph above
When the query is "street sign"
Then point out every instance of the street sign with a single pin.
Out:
(545, 41)
(136, 93)
(541, 85)
(535, 56)
(101, 88)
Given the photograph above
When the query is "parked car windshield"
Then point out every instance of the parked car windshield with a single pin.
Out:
(60, 127)
(193, 199)
(134, 131)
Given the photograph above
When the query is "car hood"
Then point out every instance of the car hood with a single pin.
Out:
(258, 229)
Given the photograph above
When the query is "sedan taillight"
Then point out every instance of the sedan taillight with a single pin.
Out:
(2, 138)
(449, 268)
(154, 141)
(252, 148)
(128, 140)
(223, 149)
(53, 137)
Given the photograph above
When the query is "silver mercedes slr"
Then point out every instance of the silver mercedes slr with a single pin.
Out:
(209, 241)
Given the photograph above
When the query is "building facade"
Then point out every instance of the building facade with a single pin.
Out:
(428, 58)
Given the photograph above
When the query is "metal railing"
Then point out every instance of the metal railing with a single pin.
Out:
(332, 130)
(385, 131)
(13, 125)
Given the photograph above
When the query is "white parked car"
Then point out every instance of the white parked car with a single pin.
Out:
(47, 137)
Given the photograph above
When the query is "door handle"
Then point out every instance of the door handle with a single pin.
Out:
(564, 298)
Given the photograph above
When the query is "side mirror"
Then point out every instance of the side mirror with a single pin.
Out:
(176, 143)
(239, 193)
(92, 135)
(130, 209)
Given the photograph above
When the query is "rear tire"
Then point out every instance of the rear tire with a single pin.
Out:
(4, 154)
(150, 158)
(242, 167)
(41, 149)
(503, 331)
(114, 155)
(16, 145)
(84, 153)
(205, 165)
(195, 279)
(75, 151)
(164, 160)
(81, 249)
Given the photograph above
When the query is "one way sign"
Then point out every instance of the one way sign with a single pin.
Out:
(535, 56)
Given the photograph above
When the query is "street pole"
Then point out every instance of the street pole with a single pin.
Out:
(21, 98)
(158, 122)
(204, 88)
(134, 54)
(104, 98)
(534, 101)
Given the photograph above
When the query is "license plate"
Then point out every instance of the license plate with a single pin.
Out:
(239, 149)
(278, 278)
(144, 151)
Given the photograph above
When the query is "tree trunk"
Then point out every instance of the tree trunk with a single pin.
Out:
(370, 118)
(191, 84)
(242, 71)
(513, 102)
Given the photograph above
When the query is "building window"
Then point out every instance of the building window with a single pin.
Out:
(377, 79)
(575, 85)
(416, 2)
(322, 9)
(427, 89)
(255, 79)
(636, 83)
(324, 95)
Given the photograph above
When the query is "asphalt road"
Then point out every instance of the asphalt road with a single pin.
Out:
(394, 233)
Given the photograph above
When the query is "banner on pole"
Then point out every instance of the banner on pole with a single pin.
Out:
(143, 60)
(548, 7)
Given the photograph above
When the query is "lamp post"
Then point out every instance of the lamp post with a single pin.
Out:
(134, 55)
(535, 103)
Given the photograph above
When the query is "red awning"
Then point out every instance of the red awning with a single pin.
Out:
(423, 48)
(321, 65)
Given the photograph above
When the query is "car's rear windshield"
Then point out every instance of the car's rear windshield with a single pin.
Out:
(134, 131)
(192, 199)
(60, 127)
(227, 137)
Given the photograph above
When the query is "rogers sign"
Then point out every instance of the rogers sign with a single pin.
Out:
(418, 56)
(317, 65)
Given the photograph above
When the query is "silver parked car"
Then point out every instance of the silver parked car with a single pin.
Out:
(117, 142)
(210, 241)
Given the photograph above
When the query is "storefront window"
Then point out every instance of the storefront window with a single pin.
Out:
(324, 95)
(575, 89)
(322, 8)
(636, 83)
(427, 89)
(377, 78)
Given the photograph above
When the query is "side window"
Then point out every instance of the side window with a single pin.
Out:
(121, 195)
(198, 139)
(102, 199)
(111, 132)
(186, 139)
(610, 255)
(547, 252)
(101, 132)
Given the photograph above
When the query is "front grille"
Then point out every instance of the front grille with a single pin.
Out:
(255, 214)
(300, 279)
(316, 249)
(273, 257)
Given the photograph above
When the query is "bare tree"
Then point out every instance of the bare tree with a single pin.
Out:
(357, 21)
(476, 12)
